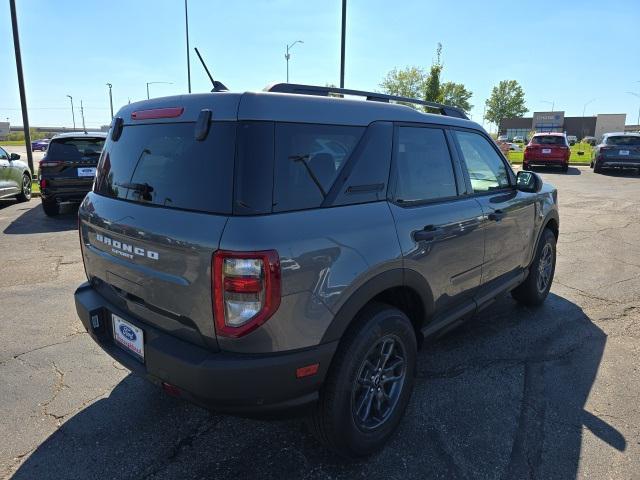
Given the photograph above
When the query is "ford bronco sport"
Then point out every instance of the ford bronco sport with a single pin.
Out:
(287, 249)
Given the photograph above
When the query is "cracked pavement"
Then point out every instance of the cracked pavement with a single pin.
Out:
(514, 393)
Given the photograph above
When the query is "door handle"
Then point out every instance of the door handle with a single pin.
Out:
(427, 234)
(496, 215)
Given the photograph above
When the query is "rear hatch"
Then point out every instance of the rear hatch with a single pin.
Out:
(155, 217)
(621, 148)
(552, 148)
(71, 161)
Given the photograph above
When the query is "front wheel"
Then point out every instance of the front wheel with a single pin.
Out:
(534, 290)
(369, 383)
(25, 193)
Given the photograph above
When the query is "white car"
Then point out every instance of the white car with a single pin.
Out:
(514, 147)
(518, 138)
(503, 138)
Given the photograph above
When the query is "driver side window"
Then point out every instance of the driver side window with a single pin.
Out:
(3, 155)
(486, 168)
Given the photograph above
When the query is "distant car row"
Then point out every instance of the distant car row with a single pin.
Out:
(616, 150)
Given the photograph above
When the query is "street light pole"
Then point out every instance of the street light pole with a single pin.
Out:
(84, 128)
(186, 27)
(342, 41)
(73, 115)
(636, 95)
(287, 56)
(110, 99)
(23, 96)
(151, 83)
(584, 109)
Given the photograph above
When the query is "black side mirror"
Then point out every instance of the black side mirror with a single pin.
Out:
(528, 182)
(14, 156)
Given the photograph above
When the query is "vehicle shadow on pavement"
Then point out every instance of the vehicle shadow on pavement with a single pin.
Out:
(570, 171)
(626, 173)
(501, 397)
(34, 220)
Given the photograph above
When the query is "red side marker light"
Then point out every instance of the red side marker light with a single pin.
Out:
(307, 371)
(171, 389)
(170, 112)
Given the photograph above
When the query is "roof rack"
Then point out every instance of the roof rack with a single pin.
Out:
(372, 96)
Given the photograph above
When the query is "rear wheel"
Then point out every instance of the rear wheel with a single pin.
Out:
(596, 167)
(526, 166)
(535, 288)
(25, 193)
(51, 208)
(368, 385)
(565, 168)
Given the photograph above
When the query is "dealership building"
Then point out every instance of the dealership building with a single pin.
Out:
(594, 126)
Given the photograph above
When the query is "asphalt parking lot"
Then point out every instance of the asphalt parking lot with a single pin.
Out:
(515, 393)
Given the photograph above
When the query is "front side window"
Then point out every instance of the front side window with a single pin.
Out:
(486, 168)
(3, 155)
(423, 165)
(308, 158)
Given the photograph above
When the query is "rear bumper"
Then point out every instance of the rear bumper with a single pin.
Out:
(66, 193)
(546, 161)
(606, 163)
(222, 381)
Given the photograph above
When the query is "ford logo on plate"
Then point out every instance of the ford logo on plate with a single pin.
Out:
(128, 333)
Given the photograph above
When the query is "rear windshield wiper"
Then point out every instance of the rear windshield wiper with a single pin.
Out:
(303, 159)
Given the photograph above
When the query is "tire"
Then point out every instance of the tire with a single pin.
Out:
(526, 166)
(534, 290)
(51, 208)
(25, 194)
(597, 168)
(565, 168)
(348, 418)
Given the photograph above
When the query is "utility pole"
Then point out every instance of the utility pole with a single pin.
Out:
(82, 113)
(287, 55)
(23, 96)
(344, 30)
(186, 25)
(73, 115)
(110, 100)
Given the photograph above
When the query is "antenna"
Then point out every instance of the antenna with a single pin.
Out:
(217, 86)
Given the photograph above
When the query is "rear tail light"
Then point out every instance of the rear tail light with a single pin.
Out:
(49, 163)
(246, 290)
(43, 184)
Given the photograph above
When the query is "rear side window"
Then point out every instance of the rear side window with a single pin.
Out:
(423, 165)
(74, 149)
(163, 165)
(486, 168)
(308, 158)
(549, 140)
(624, 141)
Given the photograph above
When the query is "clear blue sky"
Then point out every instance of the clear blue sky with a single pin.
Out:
(564, 51)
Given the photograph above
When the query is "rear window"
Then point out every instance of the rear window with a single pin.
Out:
(548, 140)
(164, 165)
(70, 149)
(308, 158)
(624, 141)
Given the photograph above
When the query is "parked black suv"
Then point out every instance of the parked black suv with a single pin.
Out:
(254, 252)
(68, 168)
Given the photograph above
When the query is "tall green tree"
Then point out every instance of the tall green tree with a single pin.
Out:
(432, 85)
(506, 100)
(456, 95)
(408, 82)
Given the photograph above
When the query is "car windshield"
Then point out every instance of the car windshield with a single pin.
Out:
(548, 140)
(624, 141)
(70, 149)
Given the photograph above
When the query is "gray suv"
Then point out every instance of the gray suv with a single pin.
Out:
(290, 250)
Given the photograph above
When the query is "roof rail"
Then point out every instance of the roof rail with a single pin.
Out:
(372, 96)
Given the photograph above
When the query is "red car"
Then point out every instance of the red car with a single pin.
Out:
(547, 149)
